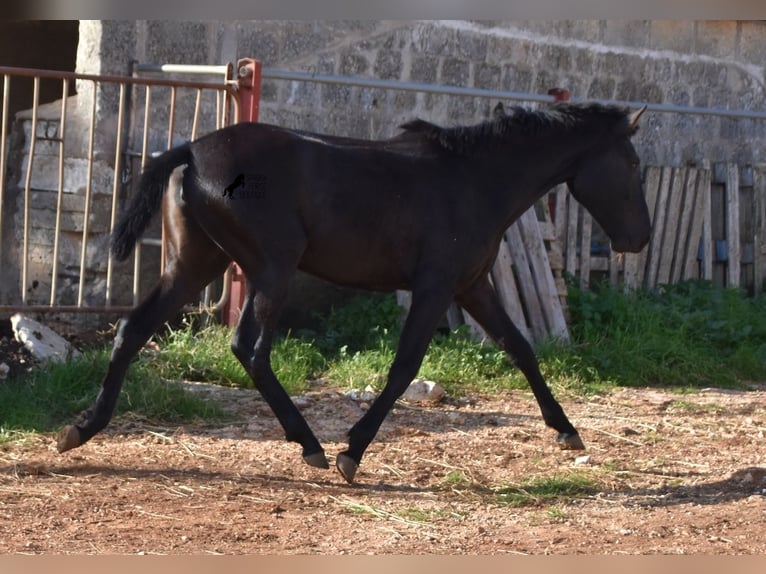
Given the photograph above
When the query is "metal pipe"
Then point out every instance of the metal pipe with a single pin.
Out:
(4, 122)
(190, 69)
(274, 74)
(60, 194)
(144, 152)
(27, 186)
(88, 193)
(36, 73)
(115, 191)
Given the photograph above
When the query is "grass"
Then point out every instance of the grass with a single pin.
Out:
(546, 490)
(683, 337)
(533, 491)
(54, 393)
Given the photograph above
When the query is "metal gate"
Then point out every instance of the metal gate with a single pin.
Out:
(67, 166)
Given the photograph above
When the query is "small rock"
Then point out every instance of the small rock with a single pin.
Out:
(367, 395)
(582, 460)
(42, 342)
(627, 431)
(4, 370)
(421, 390)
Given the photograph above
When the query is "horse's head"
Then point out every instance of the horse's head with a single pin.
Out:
(607, 182)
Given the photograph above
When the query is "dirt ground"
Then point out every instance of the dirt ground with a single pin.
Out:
(668, 473)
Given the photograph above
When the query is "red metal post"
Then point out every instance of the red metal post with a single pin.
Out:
(249, 95)
(559, 94)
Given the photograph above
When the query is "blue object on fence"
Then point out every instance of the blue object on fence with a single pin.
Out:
(721, 250)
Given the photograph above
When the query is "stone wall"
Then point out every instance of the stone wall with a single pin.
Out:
(706, 63)
(695, 63)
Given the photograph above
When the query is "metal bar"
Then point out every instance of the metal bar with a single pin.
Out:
(274, 74)
(88, 194)
(60, 194)
(171, 128)
(115, 191)
(190, 69)
(27, 185)
(4, 122)
(36, 73)
(144, 151)
(197, 107)
(64, 309)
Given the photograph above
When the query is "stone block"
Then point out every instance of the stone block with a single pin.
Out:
(45, 175)
(517, 79)
(168, 41)
(487, 76)
(752, 47)
(717, 38)
(304, 38)
(258, 42)
(455, 72)
(353, 64)
(424, 69)
(675, 35)
(433, 39)
(471, 46)
(634, 33)
(584, 30)
(388, 65)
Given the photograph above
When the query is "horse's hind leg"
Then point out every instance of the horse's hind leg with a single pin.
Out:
(164, 302)
(482, 303)
(252, 346)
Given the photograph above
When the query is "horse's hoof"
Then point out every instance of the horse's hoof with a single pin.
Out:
(347, 467)
(570, 441)
(317, 460)
(68, 438)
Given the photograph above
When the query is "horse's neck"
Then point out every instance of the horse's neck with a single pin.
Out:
(532, 173)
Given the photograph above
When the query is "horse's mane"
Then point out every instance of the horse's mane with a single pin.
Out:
(521, 124)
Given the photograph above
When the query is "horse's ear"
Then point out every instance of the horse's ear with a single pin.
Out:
(634, 117)
(499, 111)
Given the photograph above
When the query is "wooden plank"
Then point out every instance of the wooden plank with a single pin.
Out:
(759, 237)
(585, 257)
(507, 291)
(732, 225)
(658, 228)
(525, 283)
(668, 245)
(573, 210)
(543, 277)
(695, 204)
(707, 223)
(685, 215)
(652, 180)
(615, 267)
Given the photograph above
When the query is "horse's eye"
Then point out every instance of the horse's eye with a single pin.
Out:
(634, 164)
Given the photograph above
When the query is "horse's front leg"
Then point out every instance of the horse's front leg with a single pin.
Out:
(428, 307)
(481, 301)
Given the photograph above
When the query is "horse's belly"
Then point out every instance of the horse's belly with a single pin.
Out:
(380, 269)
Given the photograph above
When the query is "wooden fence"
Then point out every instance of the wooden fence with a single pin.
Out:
(708, 222)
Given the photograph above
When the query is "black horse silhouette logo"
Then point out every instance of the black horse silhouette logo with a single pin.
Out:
(239, 181)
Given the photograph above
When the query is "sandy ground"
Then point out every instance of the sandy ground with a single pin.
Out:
(664, 473)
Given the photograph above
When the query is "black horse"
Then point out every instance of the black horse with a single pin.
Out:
(424, 211)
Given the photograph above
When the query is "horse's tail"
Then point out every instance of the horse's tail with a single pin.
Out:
(147, 201)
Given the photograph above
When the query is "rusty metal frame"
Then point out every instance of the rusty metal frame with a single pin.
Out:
(227, 111)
